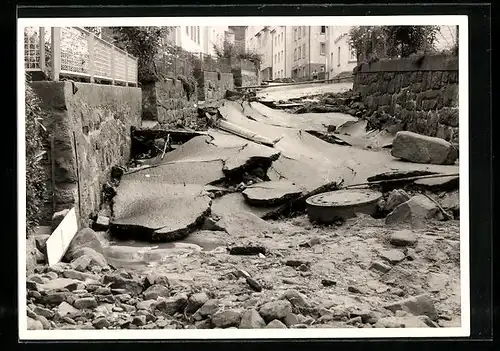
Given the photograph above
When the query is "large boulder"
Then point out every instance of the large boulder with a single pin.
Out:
(419, 148)
(416, 210)
(86, 237)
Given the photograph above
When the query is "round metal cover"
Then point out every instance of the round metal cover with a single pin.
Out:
(345, 198)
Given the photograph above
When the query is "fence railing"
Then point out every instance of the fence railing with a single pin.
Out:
(74, 51)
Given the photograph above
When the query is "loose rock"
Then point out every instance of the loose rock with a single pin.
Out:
(155, 291)
(392, 256)
(276, 324)
(86, 303)
(403, 238)
(275, 310)
(195, 301)
(416, 305)
(251, 319)
(209, 307)
(381, 267)
(86, 237)
(416, 210)
(172, 304)
(419, 148)
(225, 319)
(396, 198)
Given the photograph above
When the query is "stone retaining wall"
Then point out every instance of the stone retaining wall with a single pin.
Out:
(213, 85)
(90, 125)
(167, 102)
(421, 97)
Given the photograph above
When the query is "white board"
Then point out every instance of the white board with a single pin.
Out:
(61, 237)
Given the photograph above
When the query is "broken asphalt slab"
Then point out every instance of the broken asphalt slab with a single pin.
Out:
(271, 193)
(158, 211)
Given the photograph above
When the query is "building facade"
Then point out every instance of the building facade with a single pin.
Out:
(341, 57)
(281, 44)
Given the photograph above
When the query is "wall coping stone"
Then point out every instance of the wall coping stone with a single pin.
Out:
(428, 63)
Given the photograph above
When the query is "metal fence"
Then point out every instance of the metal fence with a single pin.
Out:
(76, 52)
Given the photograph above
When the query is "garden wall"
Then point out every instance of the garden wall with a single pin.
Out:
(90, 127)
(167, 101)
(419, 95)
(213, 85)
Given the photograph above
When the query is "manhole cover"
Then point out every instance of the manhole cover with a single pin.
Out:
(342, 204)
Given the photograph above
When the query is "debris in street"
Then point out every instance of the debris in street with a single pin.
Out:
(419, 208)
(271, 193)
(246, 250)
(419, 148)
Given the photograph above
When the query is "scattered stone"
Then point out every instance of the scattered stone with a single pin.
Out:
(86, 237)
(392, 256)
(240, 224)
(58, 284)
(416, 305)
(403, 322)
(356, 289)
(209, 307)
(275, 309)
(41, 241)
(328, 282)
(366, 316)
(403, 238)
(276, 324)
(172, 304)
(139, 320)
(55, 298)
(354, 321)
(397, 292)
(34, 324)
(45, 312)
(247, 250)
(297, 299)
(419, 148)
(255, 285)
(291, 319)
(146, 305)
(129, 285)
(416, 210)
(396, 198)
(74, 274)
(155, 291)
(251, 319)
(85, 303)
(296, 263)
(65, 308)
(311, 243)
(101, 323)
(45, 323)
(195, 301)
(381, 267)
(87, 258)
(225, 319)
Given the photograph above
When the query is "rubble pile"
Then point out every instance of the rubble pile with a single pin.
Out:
(225, 242)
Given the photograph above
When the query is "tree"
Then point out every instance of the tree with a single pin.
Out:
(392, 41)
(230, 51)
(145, 43)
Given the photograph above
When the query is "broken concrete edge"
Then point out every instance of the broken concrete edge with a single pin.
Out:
(252, 162)
(271, 203)
(135, 232)
(328, 137)
(299, 203)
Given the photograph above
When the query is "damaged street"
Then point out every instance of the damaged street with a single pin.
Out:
(215, 228)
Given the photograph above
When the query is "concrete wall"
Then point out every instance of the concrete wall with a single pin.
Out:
(90, 124)
(421, 97)
(213, 85)
(167, 102)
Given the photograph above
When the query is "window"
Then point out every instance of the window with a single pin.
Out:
(303, 50)
(338, 56)
(282, 37)
(322, 48)
(295, 34)
(187, 30)
(295, 54)
(300, 53)
(278, 57)
(282, 57)
(198, 34)
(331, 59)
(275, 58)
(299, 33)
(323, 29)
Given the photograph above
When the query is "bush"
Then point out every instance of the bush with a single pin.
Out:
(35, 175)
(189, 84)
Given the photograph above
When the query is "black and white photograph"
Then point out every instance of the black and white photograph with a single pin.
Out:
(186, 176)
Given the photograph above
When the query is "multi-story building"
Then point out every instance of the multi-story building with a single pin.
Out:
(198, 39)
(340, 57)
(264, 48)
(239, 37)
(309, 47)
(281, 43)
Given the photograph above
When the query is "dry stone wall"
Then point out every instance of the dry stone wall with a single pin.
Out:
(90, 125)
(213, 85)
(417, 95)
(167, 102)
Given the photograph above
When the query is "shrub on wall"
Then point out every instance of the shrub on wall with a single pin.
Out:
(35, 176)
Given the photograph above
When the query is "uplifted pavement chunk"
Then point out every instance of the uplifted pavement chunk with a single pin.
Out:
(157, 210)
(245, 224)
(271, 193)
